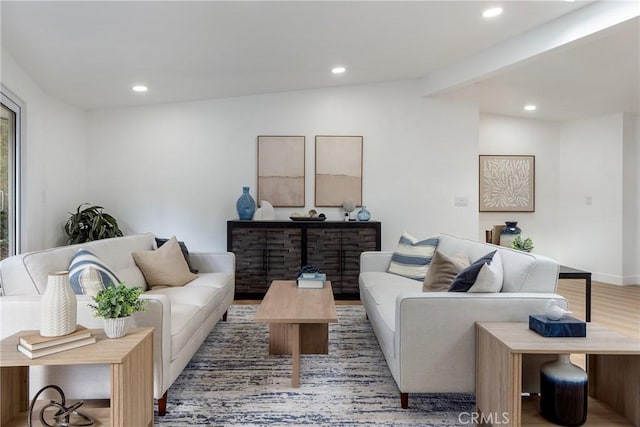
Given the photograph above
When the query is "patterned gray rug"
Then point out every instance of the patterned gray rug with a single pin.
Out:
(233, 381)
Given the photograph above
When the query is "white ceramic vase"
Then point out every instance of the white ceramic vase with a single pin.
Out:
(117, 327)
(58, 311)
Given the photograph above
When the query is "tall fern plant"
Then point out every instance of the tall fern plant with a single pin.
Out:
(90, 223)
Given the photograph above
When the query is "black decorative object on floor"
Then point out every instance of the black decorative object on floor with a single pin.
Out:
(563, 392)
(62, 417)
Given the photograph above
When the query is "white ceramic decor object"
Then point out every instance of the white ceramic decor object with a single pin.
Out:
(117, 327)
(58, 310)
(554, 311)
(268, 213)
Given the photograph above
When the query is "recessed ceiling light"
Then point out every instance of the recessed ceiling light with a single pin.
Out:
(530, 107)
(338, 70)
(139, 88)
(492, 12)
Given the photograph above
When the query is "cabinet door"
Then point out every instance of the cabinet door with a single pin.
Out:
(249, 246)
(283, 254)
(324, 250)
(354, 242)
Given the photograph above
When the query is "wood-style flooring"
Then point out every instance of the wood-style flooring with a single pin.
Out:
(614, 307)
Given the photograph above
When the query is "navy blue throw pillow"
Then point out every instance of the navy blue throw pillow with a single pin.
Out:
(467, 277)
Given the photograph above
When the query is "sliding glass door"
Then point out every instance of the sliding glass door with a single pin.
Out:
(10, 116)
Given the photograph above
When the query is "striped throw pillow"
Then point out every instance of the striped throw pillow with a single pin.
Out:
(412, 257)
(88, 274)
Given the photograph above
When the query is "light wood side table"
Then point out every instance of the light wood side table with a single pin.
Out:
(130, 359)
(613, 366)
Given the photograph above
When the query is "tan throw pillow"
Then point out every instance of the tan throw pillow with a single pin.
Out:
(165, 266)
(442, 271)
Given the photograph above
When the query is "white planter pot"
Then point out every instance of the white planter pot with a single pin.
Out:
(117, 327)
(58, 310)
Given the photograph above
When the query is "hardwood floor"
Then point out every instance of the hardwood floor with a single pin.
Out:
(614, 307)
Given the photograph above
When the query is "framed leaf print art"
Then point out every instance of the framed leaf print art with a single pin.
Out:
(507, 183)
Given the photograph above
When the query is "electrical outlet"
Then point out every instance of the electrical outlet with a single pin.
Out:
(588, 200)
(461, 201)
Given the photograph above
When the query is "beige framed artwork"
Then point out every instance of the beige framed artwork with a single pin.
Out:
(507, 183)
(338, 170)
(281, 170)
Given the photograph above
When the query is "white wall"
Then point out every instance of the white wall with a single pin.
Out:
(590, 236)
(179, 168)
(502, 135)
(631, 200)
(637, 280)
(595, 158)
(54, 167)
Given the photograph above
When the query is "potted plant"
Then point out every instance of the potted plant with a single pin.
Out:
(521, 244)
(90, 223)
(116, 304)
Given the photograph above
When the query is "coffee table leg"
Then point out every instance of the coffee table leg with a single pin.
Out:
(295, 353)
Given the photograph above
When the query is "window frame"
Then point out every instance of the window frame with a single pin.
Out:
(15, 104)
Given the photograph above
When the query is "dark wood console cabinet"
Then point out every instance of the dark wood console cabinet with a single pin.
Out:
(276, 250)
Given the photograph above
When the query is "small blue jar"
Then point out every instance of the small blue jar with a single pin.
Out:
(364, 214)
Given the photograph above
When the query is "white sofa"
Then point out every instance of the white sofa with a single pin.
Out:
(428, 338)
(182, 316)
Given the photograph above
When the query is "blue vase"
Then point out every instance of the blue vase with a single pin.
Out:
(364, 214)
(245, 205)
(509, 232)
(563, 392)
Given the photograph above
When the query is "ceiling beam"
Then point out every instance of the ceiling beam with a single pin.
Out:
(559, 32)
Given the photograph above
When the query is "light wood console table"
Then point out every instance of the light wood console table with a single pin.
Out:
(613, 366)
(130, 359)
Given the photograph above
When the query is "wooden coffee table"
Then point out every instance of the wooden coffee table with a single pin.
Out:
(298, 321)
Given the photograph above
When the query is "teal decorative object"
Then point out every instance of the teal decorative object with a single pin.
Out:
(364, 214)
(245, 205)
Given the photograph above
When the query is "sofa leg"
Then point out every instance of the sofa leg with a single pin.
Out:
(224, 316)
(162, 404)
(404, 400)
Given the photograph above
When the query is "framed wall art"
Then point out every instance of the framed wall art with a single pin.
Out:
(507, 183)
(338, 170)
(281, 170)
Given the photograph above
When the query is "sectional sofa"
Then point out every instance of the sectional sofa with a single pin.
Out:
(182, 316)
(428, 338)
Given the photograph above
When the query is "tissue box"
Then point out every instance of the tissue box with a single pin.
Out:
(566, 327)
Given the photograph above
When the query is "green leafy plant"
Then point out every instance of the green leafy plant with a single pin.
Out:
(117, 301)
(522, 244)
(90, 223)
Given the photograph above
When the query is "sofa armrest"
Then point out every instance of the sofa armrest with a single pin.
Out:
(436, 333)
(210, 262)
(19, 313)
(375, 260)
(158, 317)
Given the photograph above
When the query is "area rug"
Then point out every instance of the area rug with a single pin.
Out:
(233, 381)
